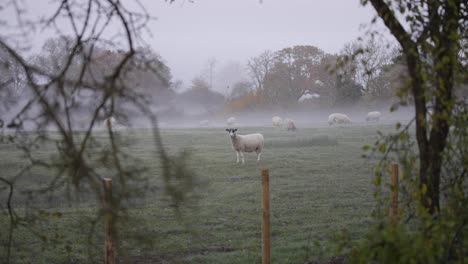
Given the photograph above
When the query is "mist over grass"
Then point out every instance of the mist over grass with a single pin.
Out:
(308, 117)
(318, 180)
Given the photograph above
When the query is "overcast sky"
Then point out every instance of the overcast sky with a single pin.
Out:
(188, 33)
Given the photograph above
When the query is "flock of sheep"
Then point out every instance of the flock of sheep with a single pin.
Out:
(335, 118)
(339, 118)
(255, 142)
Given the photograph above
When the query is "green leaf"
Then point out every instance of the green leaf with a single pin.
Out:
(424, 189)
(403, 136)
(383, 147)
(377, 180)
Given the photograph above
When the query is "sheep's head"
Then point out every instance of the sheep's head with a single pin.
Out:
(232, 132)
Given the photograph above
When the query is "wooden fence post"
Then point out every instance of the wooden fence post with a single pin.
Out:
(265, 217)
(394, 193)
(109, 257)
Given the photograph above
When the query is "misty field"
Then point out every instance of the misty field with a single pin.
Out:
(319, 185)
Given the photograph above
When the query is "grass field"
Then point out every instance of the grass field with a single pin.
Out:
(319, 185)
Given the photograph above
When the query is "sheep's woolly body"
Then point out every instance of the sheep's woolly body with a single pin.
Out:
(112, 123)
(291, 126)
(276, 120)
(230, 121)
(337, 118)
(246, 143)
(373, 116)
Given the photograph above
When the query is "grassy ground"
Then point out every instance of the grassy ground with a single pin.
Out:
(319, 185)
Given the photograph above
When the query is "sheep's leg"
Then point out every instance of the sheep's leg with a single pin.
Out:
(258, 156)
(237, 156)
(242, 155)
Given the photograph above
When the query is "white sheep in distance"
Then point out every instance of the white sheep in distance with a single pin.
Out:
(307, 96)
(231, 121)
(373, 116)
(338, 118)
(277, 121)
(290, 125)
(246, 143)
(111, 123)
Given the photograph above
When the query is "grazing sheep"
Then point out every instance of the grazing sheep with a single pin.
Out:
(338, 118)
(205, 123)
(373, 116)
(231, 121)
(246, 143)
(308, 96)
(290, 125)
(277, 121)
(111, 123)
(319, 83)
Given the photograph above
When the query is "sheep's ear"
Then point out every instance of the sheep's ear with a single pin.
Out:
(234, 130)
(227, 129)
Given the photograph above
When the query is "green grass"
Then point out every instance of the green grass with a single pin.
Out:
(318, 181)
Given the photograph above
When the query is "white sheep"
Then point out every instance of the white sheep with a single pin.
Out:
(319, 83)
(308, 96)
(338, 118)
(246, 143)
(291, 126)
(277, 121)
(205, 123)
(111, 123)
(231, 121)
(373, 116)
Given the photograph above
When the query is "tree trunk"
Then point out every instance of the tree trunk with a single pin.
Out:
(445, 35)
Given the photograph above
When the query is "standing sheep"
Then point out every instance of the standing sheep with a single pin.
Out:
(231, 121)
(338, 118)
(277, 121)
(246, 143)
(373, 116)
(109, 122)
(290, 125)
(112, 124)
